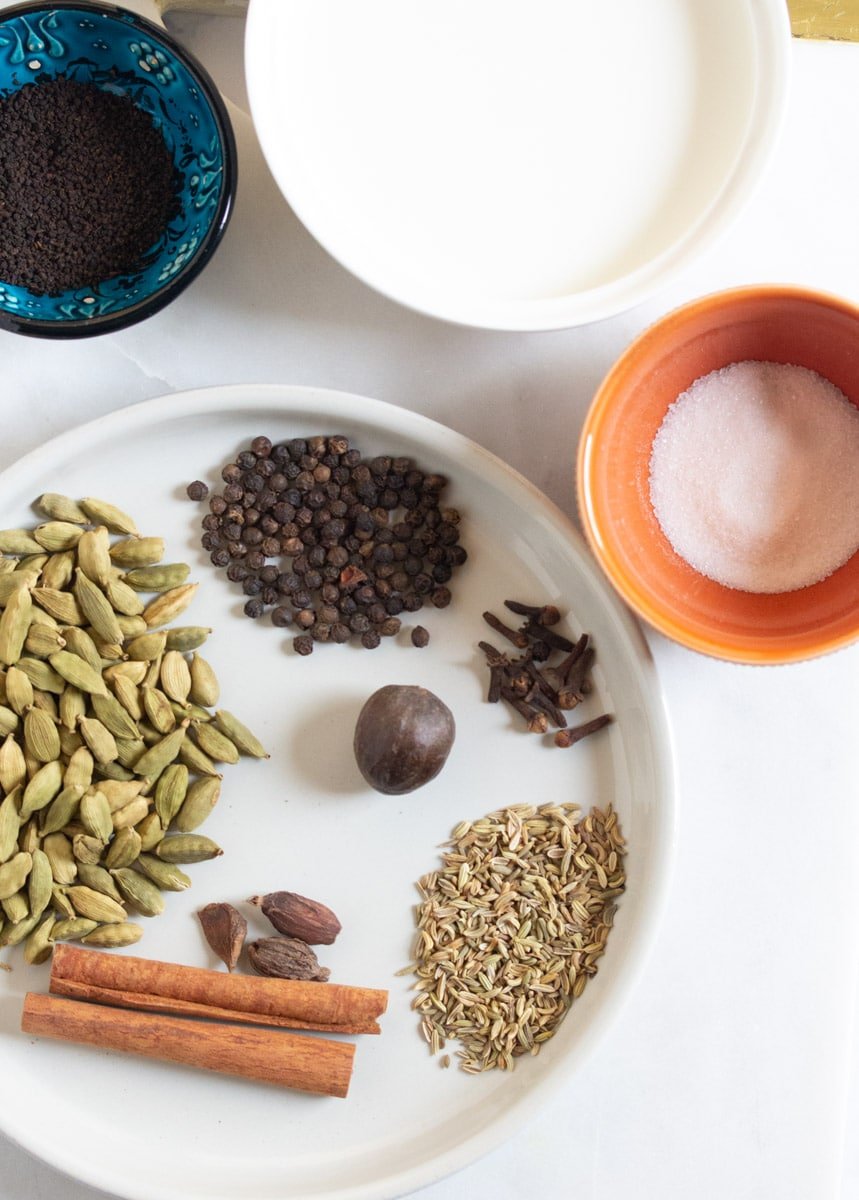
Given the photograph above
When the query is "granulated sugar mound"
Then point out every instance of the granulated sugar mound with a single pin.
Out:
(754, 477)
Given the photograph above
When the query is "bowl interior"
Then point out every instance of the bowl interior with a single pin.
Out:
(120, 52)
(779, 325)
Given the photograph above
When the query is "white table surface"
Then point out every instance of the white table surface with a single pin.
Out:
(733, 1073)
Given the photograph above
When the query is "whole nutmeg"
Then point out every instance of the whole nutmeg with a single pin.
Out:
(286, 958)
(402, 738)
(298, 917)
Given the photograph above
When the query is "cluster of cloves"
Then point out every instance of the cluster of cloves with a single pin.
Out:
(301, 922)
(540, 690)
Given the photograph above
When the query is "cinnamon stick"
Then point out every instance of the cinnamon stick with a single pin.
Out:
(306, 1064)
(142, 983)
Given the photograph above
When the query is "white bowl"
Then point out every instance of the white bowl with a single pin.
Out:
(510, 171)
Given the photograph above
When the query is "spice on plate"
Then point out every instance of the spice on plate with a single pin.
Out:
(298, 917)
(108, 760)
(337, 547)
(539, 688)
(753, 477)
(403, 737)
(87, 185)
(286, 958)
(512, 926)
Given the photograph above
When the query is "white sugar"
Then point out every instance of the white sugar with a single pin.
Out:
(754, 476)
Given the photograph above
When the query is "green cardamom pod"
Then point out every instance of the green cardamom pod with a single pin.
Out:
(76, 671)
(131, 626)
(188, 848)
(205, 689)
(88, 902)
(129, 750)
(14, 934)
(113, 770)
(10, 823)
(58, 570)
(42, 640)
(146, 647)
(111, 936)
(18, 541)
(29, 836)
(79, 642)
(55, 536)
(215, 744)
(128, 696)
(239, 734)
(13, 767)
(72, 929)
(9, 721)
(157, 709)
(14, 623)
(96, 816)
(11, 583)
(61, 903)
(130, 813)
(16, 908)
(41, 739)
(123, 599)
(169, 605)
(139, 892)
(118, 793)
(60, 508)
(72, 707)
(87, 849)
(32, 563)
(78, 771)
(59, 604)
(113, 716)
(170, 792)
(42, 676)
(202, 797)
(137, 551)
(124, 849)
(94, 555)
(13, 874)
(61, 857)
(62, 809)
(159, 756)
(187, 637)
(70, 740)
(99, 739)
(175, 676)
(198, 762)
(134, 672)
(39, 945)
(150, 831)
(166, 875)
(19, 690)
(96, 608)
(42, 788)
(40, 883)
(40, 617)
(99, 879)
(102, 513)
(153, 673)
(193, 712)
(47, 703)
(158, 579)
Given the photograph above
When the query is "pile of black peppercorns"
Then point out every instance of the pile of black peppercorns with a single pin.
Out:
(355, 542)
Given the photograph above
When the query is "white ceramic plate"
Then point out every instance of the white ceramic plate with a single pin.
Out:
(517, 166)
(305, 821)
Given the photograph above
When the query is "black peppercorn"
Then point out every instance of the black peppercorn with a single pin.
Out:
(197, 490)
(420, 636)
(281, 616)
(303, 644)
(370, 640)
(254, 607)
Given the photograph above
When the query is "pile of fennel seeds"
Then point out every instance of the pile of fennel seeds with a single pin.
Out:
(109, 745)
(512, 926)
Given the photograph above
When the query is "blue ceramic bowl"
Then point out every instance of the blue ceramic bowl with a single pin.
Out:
(124, 53)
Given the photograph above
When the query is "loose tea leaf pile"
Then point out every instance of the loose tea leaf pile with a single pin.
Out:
(334, 545)
(512, 926)
(86, 185)
(110, 758)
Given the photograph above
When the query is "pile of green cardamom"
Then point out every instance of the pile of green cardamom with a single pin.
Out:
(111, 739)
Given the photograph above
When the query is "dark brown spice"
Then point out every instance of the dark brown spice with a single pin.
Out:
(420, 636)
(225, 930)
(87, 185)
(199, 491)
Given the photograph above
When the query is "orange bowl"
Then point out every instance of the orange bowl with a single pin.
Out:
(777, 324)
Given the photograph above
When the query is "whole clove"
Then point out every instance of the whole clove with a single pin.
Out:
(225, 929)
(540, 693)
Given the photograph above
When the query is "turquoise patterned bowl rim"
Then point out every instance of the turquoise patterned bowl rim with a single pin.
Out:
(123, 51)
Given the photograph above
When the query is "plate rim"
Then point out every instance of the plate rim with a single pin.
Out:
(770, 87)
(282, 398)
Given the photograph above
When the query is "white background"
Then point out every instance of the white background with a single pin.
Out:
(729, 1075)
